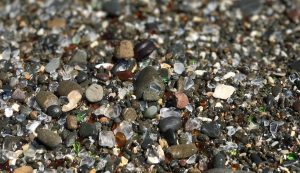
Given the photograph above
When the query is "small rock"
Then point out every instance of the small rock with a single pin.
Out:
(143, 49)
(65, 87)
(129, 114)
(170, 137)
(94, 93)
(170, 123)
(107, 139)
(150, 112)
(18, 95)
(72, 122)
(48, 138)
(255, 158)
(179, 68)
(183, 150)
(87, 129)
(81, 77)
(149, 85)
(112, 7)
(222, 170)
(54, 111)
(211, 129)
(24, 169)
(276, 90)
(182, 100)
(52, 65)
(46, 99)
(56, 23)
(69, 137)
(219, 160)
(223, 91)
(125, 50)
(80, 57)
(296, 106)
(13, 82)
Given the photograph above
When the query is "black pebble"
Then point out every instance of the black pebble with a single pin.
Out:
(219, 160)
(169, 123)
(54, 111)
(212, 129)
(81, 77)
(143, 49)
(170, 136)
(87, 129)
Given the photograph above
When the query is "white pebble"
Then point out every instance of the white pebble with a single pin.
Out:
(223, 91)
(8, 112)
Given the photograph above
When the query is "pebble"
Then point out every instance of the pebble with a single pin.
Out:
(170, 137)
(182, 151)
(52, 65)
(179, 68)
(150, 112)
(81, 77)
(24, 169)
(181, 100)
(219, 160)
(276, 90)
(87, 129)
(149, 86)
(46, 99)
(222, 170)
(112, 7)
(54, 111)
(223, 91)
(72, 122)
(80, 57)
(143, 49)
(65, 87)
(255, 158)
(94, 93)
(296, 106)
(129, 114)
(295, 65)
(107, 139)
(170, 123)
(18, 95)
(48, 138)
(69, 138)
(211, 129)
(125, 50)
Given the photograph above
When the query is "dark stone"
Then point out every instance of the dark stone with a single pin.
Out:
(149, 85)
(296, 106)
(65, 87)
(249, 7)
(54, 111)
(219, 160)
(81, 77)
(143, 49)
(276, 90)
(255, 158)
(147, 142)
(112, 7)
(211, 129)
(170, 137)
(87, 129)
(269, 100)
(46, 99)
(48, 138)
(295, 65)
(170, 123)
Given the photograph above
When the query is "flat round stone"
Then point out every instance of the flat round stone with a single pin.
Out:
(94, 93)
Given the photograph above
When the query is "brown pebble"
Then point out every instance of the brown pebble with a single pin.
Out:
(120, 139)
(57, 23)
(72, 122)
(46, 99)
(65, 87)
(129, 114)
(124, 75)
(125, 50)
(182, 151)
(24, 169)
(181, 100)
(33, 115)
(296, 106)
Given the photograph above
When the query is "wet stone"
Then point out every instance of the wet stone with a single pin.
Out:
(46, 99)
(182, 151)
(54, 111)
(211, 129)
(94, 93)
(52, 65)
(170, 123)
(150, 112)
(87, 129)
(149, 85)
(125, 50)
(48, 138)
(129, 114)
(72, 122)
(143, 49)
